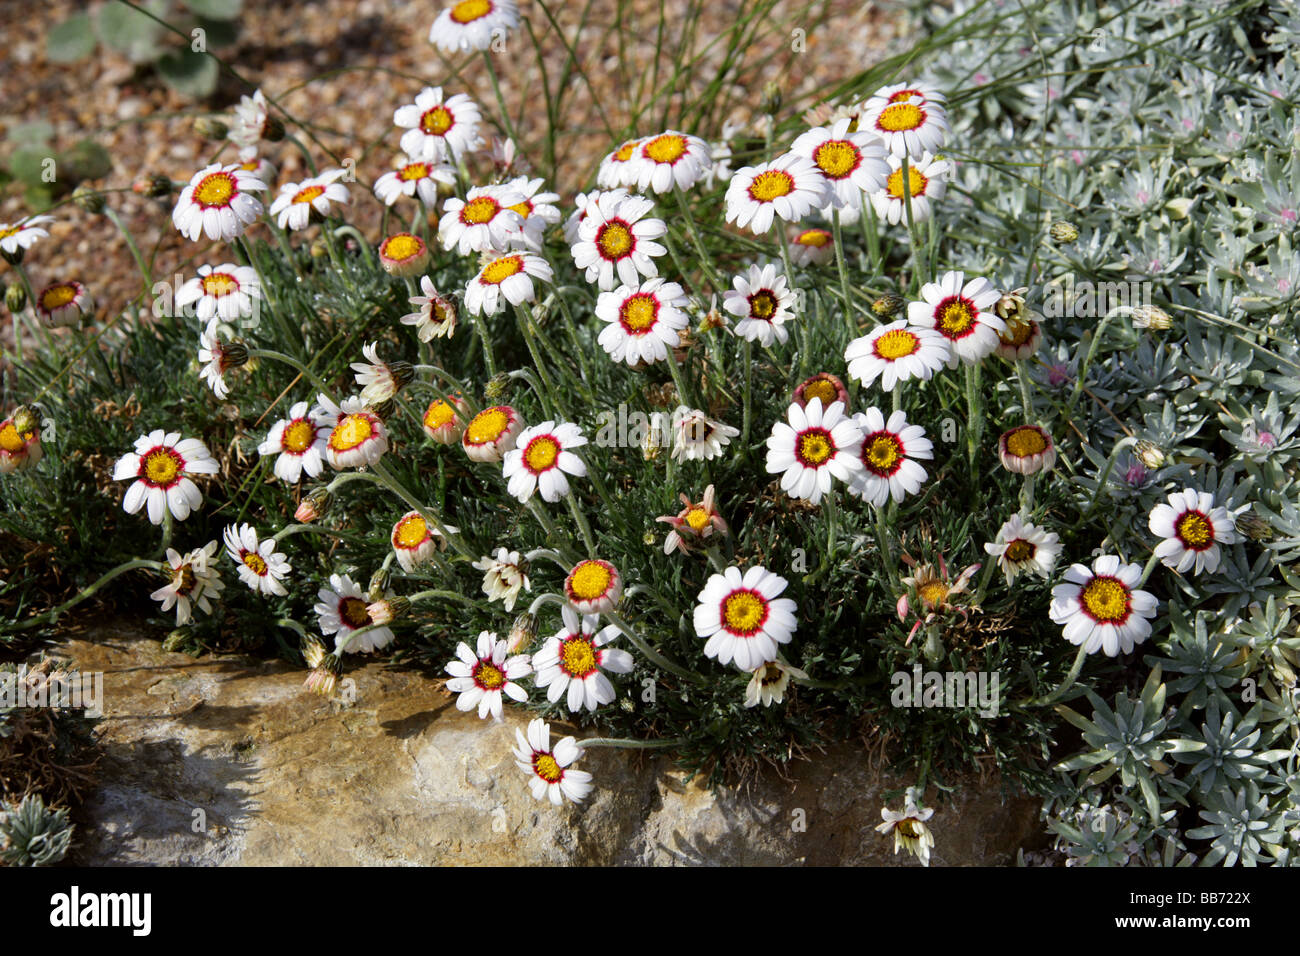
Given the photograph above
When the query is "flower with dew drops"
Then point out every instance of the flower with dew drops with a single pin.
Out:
(161, 465)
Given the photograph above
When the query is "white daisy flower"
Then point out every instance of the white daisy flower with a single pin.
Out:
(851, 163)
(1024, 546)
(909, 829)
(619, 168)
(438, 130)
(414, 542)
(218, 202)
(593, 586)
(769, 682)
(505, 279)
(670, 158)
(889, 452)
(896, 353)
(573, 662)
(216, 358)
(224, 292)
(261, 567)
(551, 774)
(481, 678)
(540, 459)
(744, 619)
(491, 433)
(64, 303)
(1192, 529)
(434, 317)
(342, 610)
(580, 204)
(17, 238)
(297, 201)
(904, 93)
(812, 448)
(1101, 608)
(696, 437)
(481, 222)
(504, 577)
(811, 247)
(161, 466)
(720, 152)
(616, 240)
(357, 437)
(960, 311)
(252, 121)
(299, 443)
(378, 380)
(538, 211)
(763, 303)
(643, 321)
(473, 25)
(927, 179)
(258, 166)
(193, 580)
(789, 187)
(908, 125)
(1026, 450)
(414, 178)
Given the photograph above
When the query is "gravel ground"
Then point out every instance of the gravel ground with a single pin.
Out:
(290, 42)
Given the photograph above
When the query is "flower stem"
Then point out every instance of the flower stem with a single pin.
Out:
(53, 613)
(650, 653)
(581, 520)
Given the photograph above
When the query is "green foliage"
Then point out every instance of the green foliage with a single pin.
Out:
(32, 834)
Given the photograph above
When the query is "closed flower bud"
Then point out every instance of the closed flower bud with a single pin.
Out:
(15, 298)
(319, 249)
(210, 127)
(272, 130)
(1062, 231)
(887, 305)
(402, 372)
(497, 387)
(388, 610)
(316, 504)
(313, 653)
(379, 583)
(27, 420)
(771, 99)
(1150, 454)
(385, 409)
(176, 640)
(90, 200)
(153, 185)
(522, 633)
(233, 355)
(1255, 527)
(1151, 317)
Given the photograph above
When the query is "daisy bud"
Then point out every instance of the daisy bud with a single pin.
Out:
(1255, 527)
(1011, 307)
(272, 130)
(402, 372)
(1026, 450)
(652, 442)
(771, 100)
(823, 385)
(15, 297)
(154, 185)
(314, 506)
(379, 583)
(233, 355)
(324, 676)
(14, 258)
(1150, 454)
(27, 420)
(1063, 231)
(522, 633)
(888, 305)
(497, 387)
(1151, 317)
(90, 200)
(319, 249)
(403, 254)
(176, 640)
(385, 409)
(210, 127)
(387, 610)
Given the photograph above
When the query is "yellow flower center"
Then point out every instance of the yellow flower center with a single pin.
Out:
(933, 593)
(467, 11)
(665, 148)
(589, 580)
(541, 453)
(57, 296)
(439, 414)
(547, 768)
(217, 284)
(215, 189)
(638, 313)
(298, 436)
(1021, 550)
(771, 675)
(354, 431)
(413, 171)
(437, 121)
(697, 518)
(183, 579)
(743, 612)
(8, 231)
(817, 238)
(578, 657)
(771, 184)
(815, 447)
(916, 183)
(836, 158)
(479, 210)
(822, 388)
(499, 270)
(10, 440)
(489, 676)
(762, 305)
(1026, 441)
(1106, 599)
(896, 344)
(1017, 334)
(353, 612)
(402, 246)
(901, 116)
(255, 562)
(624, 152)
(308, 194)
(909, 828)
(487, 426)
(615, 239)
(411, 532)
(882, 453)
(525, 208)
(1194, 530)
(161, 466)
(956, 317)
